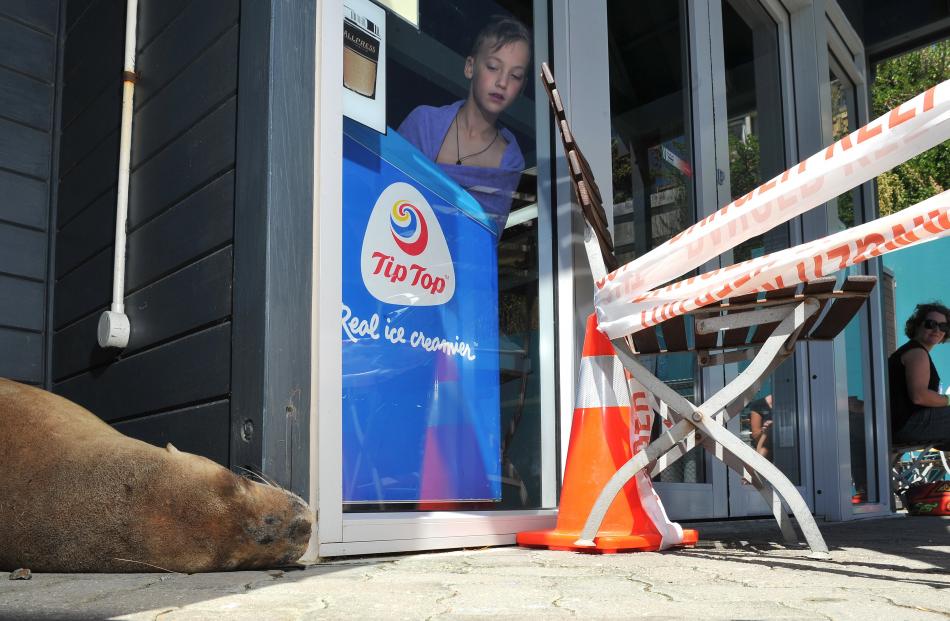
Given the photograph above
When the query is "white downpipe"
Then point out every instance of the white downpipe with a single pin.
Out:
(114, 325)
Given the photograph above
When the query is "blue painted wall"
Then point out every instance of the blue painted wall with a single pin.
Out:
(922, 274)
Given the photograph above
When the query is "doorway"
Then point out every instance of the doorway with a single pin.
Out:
(700, 114)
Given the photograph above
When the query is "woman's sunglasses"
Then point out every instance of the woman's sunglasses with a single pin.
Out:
(930, 324)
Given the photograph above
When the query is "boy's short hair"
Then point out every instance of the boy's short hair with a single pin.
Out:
(501, 30)
(920, 313)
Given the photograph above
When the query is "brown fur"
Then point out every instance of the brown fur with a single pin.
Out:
(76, 495)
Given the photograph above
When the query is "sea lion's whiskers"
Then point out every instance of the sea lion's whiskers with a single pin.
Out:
(248, 473)
(257, 476)
(272, 482)
(128, 560)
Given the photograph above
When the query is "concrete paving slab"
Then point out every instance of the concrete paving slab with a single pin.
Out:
(895, 568)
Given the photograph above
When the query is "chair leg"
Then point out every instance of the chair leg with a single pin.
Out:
(773, 476)
(772, 499)
(680, 450)
(776, 346)
(654, 452)
(778, 510)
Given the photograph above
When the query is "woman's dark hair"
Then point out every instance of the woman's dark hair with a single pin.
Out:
(920, 313)
(500, 31)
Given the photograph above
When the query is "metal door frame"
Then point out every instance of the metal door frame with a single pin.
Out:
(742, 500)
(340, 533)
(844, 50)
(582, 71)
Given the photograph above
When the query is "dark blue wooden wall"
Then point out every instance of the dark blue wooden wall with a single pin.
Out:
(218, 281)
(172, 383)
(28, 57)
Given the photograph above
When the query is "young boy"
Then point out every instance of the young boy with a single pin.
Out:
(464, 138)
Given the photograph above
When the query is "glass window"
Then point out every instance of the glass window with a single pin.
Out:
(441, 386)
(652, 159)
(754, 111)
(849, 212)
(757, 153)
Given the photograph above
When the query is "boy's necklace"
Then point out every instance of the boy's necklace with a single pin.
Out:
(458, 148)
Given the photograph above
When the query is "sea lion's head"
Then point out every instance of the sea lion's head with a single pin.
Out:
(206, 518)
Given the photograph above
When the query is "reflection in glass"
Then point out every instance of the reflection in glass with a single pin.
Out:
(757, 153)
(843, 123)
(652, 159)
(856, 340)
(754, 112)
(769, 423)
(425, 66)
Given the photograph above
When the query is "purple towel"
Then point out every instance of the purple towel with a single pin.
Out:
(426, 127)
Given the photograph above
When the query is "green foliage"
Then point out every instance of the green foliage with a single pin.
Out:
(896, 80)
(743, 178)
(743, 164)
(621, 171)
(841, 123)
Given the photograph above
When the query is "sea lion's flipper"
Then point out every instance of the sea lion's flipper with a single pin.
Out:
(171, 448)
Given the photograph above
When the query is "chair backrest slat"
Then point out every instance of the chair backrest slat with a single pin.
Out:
(582, 177)
(645, 341)
(566, 134)
(817, 287)
(842, 310)
(558, 106)
(587, 173)
(593, 208)
(674, 334)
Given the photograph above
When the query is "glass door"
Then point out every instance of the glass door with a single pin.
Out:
(847, 109)
(436, 354)
(848, 211)
(754, 96)
(655, 149)
(700, 114)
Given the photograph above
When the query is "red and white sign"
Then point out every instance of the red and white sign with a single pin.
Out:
(405, 259)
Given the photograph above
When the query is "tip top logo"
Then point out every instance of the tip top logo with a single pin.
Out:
(409, 228)
(405, 259)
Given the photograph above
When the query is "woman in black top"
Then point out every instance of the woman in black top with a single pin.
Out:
(920, 414)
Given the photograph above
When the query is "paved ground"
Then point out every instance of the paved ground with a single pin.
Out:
(884, 569)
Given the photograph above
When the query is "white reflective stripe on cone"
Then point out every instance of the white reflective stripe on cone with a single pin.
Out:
(601, 383)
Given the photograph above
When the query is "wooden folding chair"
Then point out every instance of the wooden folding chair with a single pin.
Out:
(761, 329)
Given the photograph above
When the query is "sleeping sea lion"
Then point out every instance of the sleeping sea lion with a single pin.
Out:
(78, 496)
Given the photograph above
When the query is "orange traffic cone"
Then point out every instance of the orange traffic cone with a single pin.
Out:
(451, 446)
(599, 445)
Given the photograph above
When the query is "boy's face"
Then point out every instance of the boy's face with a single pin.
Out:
(497, 75)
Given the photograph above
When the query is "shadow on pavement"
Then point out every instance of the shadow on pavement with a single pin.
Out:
(81, 597)
(913, 540)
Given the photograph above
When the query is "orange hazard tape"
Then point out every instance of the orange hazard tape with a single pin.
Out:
(626, 300)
